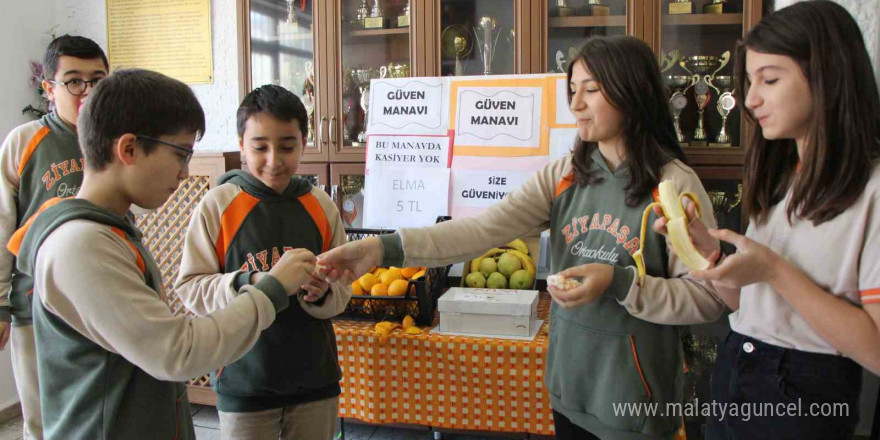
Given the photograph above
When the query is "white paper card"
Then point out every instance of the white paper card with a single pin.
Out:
(405, 197)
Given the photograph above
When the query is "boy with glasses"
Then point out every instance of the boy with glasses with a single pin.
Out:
(112, 355)
(38, 161)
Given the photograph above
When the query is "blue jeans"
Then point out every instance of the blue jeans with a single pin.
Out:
(769, 392)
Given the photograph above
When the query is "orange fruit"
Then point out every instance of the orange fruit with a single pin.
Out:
(418, 275)
(356, 288)
(397, 288)
(379, 289)
(379, 271)
(367, 281)
(408, 272)
(390, 275)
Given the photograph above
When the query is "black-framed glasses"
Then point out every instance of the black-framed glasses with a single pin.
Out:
(184, 160)
(78, 86)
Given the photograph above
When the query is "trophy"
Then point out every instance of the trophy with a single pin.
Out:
(376, 20)
(595, 7)
(681, 7)
(395, 70)
(457, 44)
(726, 104)
(723, 203)
(718, 7)
(563, 9)
(363, 77)
(487, 32)
(361, 15)
(403, 18)
(308, 97)
(699, 68)
(677, 102)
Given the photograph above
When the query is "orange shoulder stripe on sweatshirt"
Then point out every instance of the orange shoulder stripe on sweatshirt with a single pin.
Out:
(563, 184)
(231, 221)
(14, 244)
(314, 208)
(31, 147)
(871, 296)
(140, 259)
(656, 194)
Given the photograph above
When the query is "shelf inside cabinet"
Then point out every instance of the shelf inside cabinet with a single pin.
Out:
(715, 155)
(587, 21)
(702, 19)
(379, 32)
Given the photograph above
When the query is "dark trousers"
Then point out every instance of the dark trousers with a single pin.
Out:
(777, 393)
(565, 430)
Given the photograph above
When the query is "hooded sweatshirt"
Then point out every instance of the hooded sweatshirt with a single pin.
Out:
(39, 160)
(111, 355)
(622, 349)
(240, 227)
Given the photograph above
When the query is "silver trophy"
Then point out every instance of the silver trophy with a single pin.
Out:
(487, 33)
(726, 104)
(677, 101)
(376, 20)
(361, 15)
(363, 77)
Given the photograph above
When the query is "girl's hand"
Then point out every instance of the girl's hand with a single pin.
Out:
(708, 245)
(752, 262)
(595, 279)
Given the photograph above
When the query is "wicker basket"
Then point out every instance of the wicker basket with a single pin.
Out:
(420, 300)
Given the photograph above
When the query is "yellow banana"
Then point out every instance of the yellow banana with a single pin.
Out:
(676, 228)
(475, 263)
(519, 245)
(526, 261)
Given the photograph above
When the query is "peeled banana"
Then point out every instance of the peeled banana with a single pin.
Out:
(676, 228)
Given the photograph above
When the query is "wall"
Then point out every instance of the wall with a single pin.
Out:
(219, 100)
(24, 33)
(865, 12)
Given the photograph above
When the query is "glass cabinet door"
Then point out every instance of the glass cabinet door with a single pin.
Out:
(478, 37)
(282, 52)
(570, 22)
(375, 43)
(697, 43)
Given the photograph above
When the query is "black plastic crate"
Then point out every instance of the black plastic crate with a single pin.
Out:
(420, 300)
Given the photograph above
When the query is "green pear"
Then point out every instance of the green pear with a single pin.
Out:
(476, 280)
(487, 266)
(496, 280)
(521, 279)
(508, 264)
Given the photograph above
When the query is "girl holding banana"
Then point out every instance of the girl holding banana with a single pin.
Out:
(614, 338)
(805, 279)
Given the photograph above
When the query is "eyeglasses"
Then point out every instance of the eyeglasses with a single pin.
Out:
(78, 86)
(183, 160)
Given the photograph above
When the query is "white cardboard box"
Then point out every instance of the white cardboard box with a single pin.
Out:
(488, 311)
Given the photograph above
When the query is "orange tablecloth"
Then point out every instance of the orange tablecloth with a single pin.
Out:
(444, 381)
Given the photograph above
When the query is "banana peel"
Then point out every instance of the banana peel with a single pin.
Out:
(518, 245)
(676, 228)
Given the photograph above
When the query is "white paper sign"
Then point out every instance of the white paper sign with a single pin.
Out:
(563, 109)
(492, 116)
(408, 151)
(409, 106)
(481, 188)
(405, 197)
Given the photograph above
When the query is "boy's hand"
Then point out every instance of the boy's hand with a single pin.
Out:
(347, 262)
(4, 334)
(315, 289)
(294, 269)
